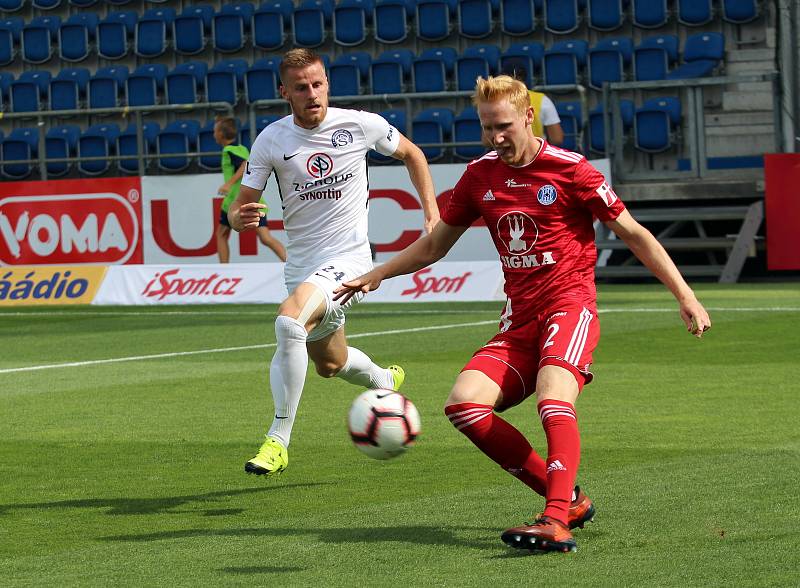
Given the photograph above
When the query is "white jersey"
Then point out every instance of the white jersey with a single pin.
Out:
(322, 178)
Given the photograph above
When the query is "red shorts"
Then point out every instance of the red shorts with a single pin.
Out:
(565, 338)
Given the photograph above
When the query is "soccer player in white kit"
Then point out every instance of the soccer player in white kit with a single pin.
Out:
(318, 155)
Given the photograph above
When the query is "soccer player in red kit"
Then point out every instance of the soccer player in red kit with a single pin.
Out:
(538, 202)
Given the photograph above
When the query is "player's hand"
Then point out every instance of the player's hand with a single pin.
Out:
(695, 317)
(247, 216)
(223, 190)
(366, 283)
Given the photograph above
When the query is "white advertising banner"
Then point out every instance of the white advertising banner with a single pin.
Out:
(445, 282)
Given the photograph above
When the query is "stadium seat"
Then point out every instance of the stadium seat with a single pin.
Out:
(654, 123)
(38, 38)
(5, 87)
(97, 141)
(46, 4)
(654, 56)
(191, 28)
(695, 13)
(608, 60)
(434, 18)
(60, 141)
(390, 72)
(230, 26)
(433, 68)
(178, 138)
(224, 80)
(68, 88)
(702, 53)
(597, 139)
(391, 18)
(152, 31)
(527, 56)
(650, 14)
(106, 86)
(572, 124)
(127, 144)
(10, 31)
(606, 15)
(564, 62)
(350, 21)
(145, 85)
(262, 122)
(475, 18)
(185, 82)
(348, 72)
(206, 143)
(82, 3)
(29, 90)
(396, 118)
(517, 17)
(20, 144)
(269, 24)
(308, 23)
(467, 128)
(562, 16)
(11, 5)
(478, 60)
(432, 125)
(261, 80)
(740, 11)
(75, 36)
(114, 33)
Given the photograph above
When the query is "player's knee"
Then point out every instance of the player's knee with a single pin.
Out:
(288, 328)
(328, 368)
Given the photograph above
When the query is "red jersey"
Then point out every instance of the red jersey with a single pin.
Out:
(540, 217)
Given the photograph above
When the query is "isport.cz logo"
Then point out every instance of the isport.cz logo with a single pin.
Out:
(168, 283)
(433, 284)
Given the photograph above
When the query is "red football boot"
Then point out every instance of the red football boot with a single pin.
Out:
(581, 510)
(544, 534)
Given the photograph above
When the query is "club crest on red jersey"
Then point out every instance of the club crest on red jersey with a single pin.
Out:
(518, 232)
(546, 195)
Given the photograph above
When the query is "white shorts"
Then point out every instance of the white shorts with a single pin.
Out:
(327, 278)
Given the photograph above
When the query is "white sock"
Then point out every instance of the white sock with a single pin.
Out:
(359, 370)
(287, 375)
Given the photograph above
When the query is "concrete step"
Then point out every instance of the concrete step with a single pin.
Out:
(738, 55)
(738, 119)
(752, 87)
(749, 67)
(747, 141)
(747, 101)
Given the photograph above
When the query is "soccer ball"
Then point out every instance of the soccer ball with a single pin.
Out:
(383, 423)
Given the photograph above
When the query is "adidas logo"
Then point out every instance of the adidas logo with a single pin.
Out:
(555, 465)
(488, 196)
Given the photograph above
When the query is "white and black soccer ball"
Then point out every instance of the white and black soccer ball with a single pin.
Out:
(383, 423)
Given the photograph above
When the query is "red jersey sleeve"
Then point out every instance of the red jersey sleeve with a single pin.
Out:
(595, 193)
(460, 209)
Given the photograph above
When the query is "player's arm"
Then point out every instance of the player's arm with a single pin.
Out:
(246, 211)
(555, 134)
(651, 253)
(421, 253)
(420, 174)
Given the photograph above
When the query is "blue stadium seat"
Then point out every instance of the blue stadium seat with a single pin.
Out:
(433, 68)
(654, 124)
(396, 118)
(191, 28)
(571, 123)
(608, 60)
(478, 60)
(10, 31)
(82, 3)
(391, 71)
(224, 80)
(177, 138)
(350, 21)
(261, 80)
(68, 88)
(527, 56)
(467, 128)
(269, 24)
(20, 144)
(185, 82)
(308, 23)
(740, 11)
(702, 53)
(127, 144)
(114, 33)
(11, 5)
(650, 14)
(153, 31)
(38, 38)
(46, 4)
(562, 16)
(29, 90)
(97, 141)
(607, 15)
(433, 125)
(146, 84)
(391, 18)
(5, 87)
(262, 122)
(597, 138)
(475, 18)
(348, 73)
(230, 26)
(60, 141)
(76, 35)
(517, 17)
(206, 143)
(564, 62)
(106, 86)
(654, 56)
(434, 19)
(695, 13)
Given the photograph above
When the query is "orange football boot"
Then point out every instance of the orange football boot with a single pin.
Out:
(581, 510)
(544, 534)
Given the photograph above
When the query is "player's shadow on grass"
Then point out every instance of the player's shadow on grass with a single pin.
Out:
(157, 505)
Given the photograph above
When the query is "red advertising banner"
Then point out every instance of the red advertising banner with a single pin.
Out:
(71, 222)
(782, 176)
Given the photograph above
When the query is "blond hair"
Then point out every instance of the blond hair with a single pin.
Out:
(298, 58)
(493, 89)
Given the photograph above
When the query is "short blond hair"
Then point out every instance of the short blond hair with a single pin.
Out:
(298, 59)
(495, 88)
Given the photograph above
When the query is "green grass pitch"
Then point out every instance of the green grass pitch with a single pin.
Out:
(131, 472)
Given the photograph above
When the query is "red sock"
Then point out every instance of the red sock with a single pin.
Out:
(563, 456)
(500, 441)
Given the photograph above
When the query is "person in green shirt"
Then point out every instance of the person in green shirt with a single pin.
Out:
(234, 161)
